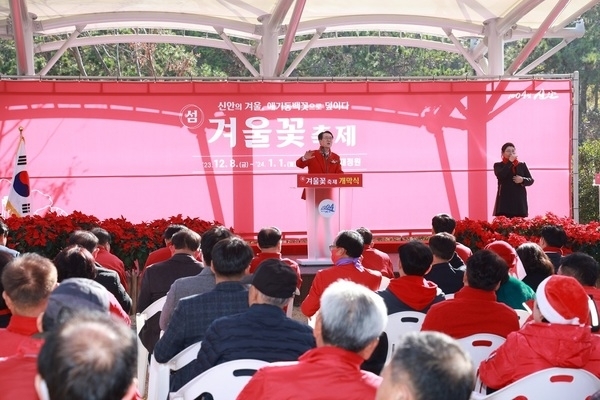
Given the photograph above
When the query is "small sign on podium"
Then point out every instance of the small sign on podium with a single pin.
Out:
(329, 180)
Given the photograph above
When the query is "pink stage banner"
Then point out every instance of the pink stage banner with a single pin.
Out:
(227, 150)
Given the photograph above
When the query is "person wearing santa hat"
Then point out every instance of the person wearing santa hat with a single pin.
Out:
(512, 291)
(559, 336)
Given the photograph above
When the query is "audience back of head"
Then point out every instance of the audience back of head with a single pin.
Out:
(231, 257)
(186, 239)
(428, 365)
(102, 235)
(85, 239)
(75, 261)
(582, 267)
(442, 245)
(210, 238)
(268, 237)
(90, 357)
(554, 235)
(366, 234)
(443, 223)
(352, 316)
(486, 270)
(351, 241)
(534, 259)
(415, 258)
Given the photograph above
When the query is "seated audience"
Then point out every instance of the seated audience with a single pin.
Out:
(559, 336)
(163, 253)
(553, 239)
(536, 263)
(194, 314)
(88, 357)
(104, 276)
(512, 292)
(269, 243)
(17, 372)
(345, 255)
(76, 262)
(159, 277)
(28, 281)
(442, 273)
(108, 260)
(374, 259)
(196, 284)
(4, 240)
(427, 365)
(445, 223)
(474, 308)
(5, 314)
(585, 269)
(347, 329)
(263, 332)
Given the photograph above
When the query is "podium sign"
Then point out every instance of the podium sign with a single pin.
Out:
(328, 210)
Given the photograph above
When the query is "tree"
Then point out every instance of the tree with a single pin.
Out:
(589, 165)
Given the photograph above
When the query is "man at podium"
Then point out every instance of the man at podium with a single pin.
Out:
(322, 161)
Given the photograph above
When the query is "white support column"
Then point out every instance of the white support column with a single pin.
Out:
(495, 45)
(269, 47)
(23, 34)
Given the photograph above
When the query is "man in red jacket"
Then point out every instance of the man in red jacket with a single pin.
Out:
(559, 336)
(375, 259)
(321, 161)
(347, 330)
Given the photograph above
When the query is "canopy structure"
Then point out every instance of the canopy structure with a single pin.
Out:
(272, 29)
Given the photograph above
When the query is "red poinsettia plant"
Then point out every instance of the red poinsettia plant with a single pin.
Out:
(516, 231)
(131, 242)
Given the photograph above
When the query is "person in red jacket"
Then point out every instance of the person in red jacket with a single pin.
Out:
(321, 161)
(108, 260)
(474, 308)
(375, 259)
(559, 336)
(345, 255)
(346, 331)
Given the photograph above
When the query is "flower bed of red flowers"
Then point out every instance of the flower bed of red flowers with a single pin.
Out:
(133, 242)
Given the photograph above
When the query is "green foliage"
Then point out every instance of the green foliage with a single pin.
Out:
(589, 165)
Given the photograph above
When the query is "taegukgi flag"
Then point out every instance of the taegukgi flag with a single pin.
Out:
(18, 199)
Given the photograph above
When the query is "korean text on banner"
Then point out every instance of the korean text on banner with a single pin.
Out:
(18, 199)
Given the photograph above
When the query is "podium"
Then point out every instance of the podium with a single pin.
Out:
(328, 210)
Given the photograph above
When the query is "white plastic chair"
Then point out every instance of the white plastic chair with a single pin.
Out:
(523, 316)
(142, 358)
(480, 346)
(158, 377)
(548, 384)
(399, 323)
(223, 382)
(449, 296)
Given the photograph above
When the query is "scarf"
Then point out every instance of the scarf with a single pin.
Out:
(514, 164)
(349, 260)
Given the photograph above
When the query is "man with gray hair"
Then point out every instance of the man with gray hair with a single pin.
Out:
(427, 365)
(347, 331)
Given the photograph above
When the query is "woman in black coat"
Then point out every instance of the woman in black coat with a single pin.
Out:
(513, 176)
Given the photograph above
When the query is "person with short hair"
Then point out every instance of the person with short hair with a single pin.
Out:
(105, 258)
(513, 178)
(474, 308)
(163, 253)
(28, 281)
(442, 273)
(89, 357)
(427, 365)
(559, 336)
(194, 314)
(347, 330)
(263, 332)
(5, 314)
(345, 255)
(269, 244)
(374, 259)
(552, 240)
(159, 277)
(585, 269)
(203, 282)
(4, 239)
(104, 276)
(445, 223)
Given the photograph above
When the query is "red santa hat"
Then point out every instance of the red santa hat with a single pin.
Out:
(562, 300)
(509, 255)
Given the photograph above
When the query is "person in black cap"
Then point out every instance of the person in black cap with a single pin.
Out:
(262, 333)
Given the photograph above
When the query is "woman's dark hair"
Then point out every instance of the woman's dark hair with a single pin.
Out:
(505, 145)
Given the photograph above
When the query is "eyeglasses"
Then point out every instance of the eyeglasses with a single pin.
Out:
(332, 246)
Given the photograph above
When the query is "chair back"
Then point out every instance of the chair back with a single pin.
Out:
(449, 296)
(399, 323)
(523, 316)
(142, 357)
(551, 383)
(480, 346)
(223, 382)
(159, 374)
